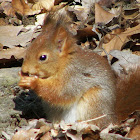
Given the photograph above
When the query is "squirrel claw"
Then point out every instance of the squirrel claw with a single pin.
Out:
(27, 82)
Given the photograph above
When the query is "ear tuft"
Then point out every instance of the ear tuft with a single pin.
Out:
(57, 25)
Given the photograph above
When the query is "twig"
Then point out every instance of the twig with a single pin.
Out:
(94, 119)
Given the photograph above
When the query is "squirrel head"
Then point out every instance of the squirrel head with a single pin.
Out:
(49, 52)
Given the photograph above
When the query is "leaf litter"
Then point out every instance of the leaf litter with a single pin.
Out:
(107, 27)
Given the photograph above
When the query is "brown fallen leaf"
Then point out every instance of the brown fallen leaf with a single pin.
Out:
(131, 14)
(85, 32)
(24, 135)
(80, 12)
(17, 52)
(10, 37)
(20, 7)
(3, 22)
(117, 42)
(106, 2)
(7, 7)
(37, 129)
(137, 53)
(126, 61)
(111, 35)
(101, 15)
(56, 2)
(46, 136)
(135, 133)
(40, 4)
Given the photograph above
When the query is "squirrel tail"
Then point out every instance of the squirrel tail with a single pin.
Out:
(128, 93)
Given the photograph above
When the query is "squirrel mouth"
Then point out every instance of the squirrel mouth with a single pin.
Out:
(32, 75)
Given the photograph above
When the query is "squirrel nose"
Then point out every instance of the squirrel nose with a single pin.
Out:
(24, 70)
(28, 71)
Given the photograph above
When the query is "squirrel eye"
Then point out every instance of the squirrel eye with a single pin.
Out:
(43, 57)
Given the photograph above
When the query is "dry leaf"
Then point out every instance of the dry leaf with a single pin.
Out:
(102, 16)
(131, 14)
(20, 7)
(5, 135)
(135, 133)
(137, 53)
(116, 11)
(106, 2)
(76, 131)
(17, 52)
(40, 4)
(47, 136)
(117, 42)
(24, 135)
(3, 22)
(87, 3)
(126, 60)
(85, 32)
(111, 35)
(40, 19)
(17, 6)
(80, 12)
(7, 7)
(9, 36)
(35, 130)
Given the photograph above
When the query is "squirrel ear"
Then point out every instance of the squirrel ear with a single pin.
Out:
(61, 40)
(62, 45)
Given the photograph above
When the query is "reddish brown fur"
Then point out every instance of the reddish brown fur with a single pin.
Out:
(73, 79)
(128, 94)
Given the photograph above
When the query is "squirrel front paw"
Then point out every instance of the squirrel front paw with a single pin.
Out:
(27, 82)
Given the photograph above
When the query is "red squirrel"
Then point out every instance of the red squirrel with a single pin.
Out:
(76, 83)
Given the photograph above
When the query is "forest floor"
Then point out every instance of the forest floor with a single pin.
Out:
(118, 27)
